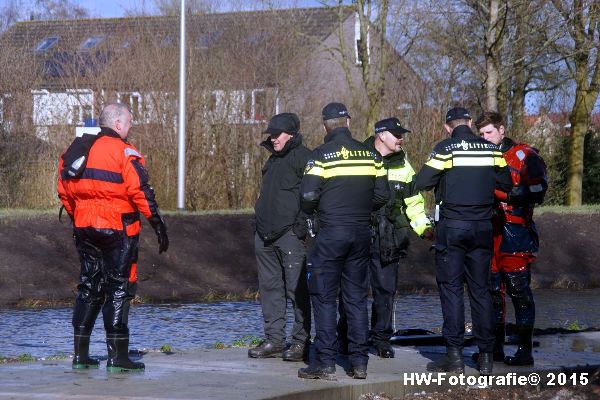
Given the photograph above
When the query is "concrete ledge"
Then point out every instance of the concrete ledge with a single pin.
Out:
(230, 374)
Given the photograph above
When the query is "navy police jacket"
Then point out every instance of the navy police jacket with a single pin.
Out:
(465, 170)
(344, 181)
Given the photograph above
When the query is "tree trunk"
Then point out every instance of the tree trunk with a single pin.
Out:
(580, 122)
(491, 61)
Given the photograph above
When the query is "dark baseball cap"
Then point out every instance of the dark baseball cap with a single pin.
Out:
(457, 113)
(334, 110)
(390, 124)
(284, 122)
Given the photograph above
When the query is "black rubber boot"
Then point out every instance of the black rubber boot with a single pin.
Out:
(523, 356)
(81, 358)
(118, 355)
(452, 362)
(485, 363)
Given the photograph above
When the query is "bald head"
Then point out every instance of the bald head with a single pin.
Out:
(117, 117)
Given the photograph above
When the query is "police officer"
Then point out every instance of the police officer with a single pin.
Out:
(515, 237)
(390, 224)
(278, 242)
(104, 186)
(465, 170)
(344, 181)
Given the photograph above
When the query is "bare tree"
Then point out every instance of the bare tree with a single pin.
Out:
(581, 20)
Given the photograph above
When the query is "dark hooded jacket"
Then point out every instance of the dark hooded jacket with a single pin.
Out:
(278, 206)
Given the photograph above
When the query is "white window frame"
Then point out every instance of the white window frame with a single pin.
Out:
(139, 112)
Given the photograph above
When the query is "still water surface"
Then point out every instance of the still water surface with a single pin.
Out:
(48, 332)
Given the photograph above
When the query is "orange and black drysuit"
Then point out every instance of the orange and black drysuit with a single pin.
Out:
(516, 239)
(103, 185)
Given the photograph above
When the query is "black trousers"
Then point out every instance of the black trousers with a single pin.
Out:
(340, 258)
(383, 278)
(105, 279)
(281, 268)
(463, 255)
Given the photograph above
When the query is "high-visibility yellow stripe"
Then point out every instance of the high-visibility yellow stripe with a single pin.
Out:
(328, 164)
(474, 152)
(345, 171)
(474, 161)
(500, 162)
(443, 156)
(439, 164)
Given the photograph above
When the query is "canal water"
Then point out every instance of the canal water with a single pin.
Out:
(184, 327)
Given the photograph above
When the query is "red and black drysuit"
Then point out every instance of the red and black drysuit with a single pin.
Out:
(516, 240)
(103, 193)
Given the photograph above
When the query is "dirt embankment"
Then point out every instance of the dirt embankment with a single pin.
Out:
(214, 256)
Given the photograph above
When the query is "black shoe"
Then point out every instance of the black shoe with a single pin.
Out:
(118, 355)
(522, 357)
(452, 362)
(81, 359)
(318, 372)
(384, 350)
(296, 352)
(485, 363)
(358, 372)
(498, 355)
(266, 350)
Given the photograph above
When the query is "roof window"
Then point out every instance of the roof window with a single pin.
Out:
(91, 42)
(47, 43)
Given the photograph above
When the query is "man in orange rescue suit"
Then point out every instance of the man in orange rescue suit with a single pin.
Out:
(103, 185)
(515, 237)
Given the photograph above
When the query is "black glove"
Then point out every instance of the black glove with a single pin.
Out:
(518, 195)
(300, 228)
(161, 232)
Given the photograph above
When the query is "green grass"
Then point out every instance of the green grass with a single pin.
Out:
(25, 357)
(585, 209)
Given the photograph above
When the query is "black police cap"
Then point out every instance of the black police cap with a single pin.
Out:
(284, 122)
(334, 110)
(390, 124)
(457, 113)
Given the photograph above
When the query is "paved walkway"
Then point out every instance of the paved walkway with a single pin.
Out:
(230, 374)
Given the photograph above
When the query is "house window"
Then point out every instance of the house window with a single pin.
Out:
(257, 106)
(358, 41)
(260, 105)
(91, 42)
(47, 43)
(134, 101)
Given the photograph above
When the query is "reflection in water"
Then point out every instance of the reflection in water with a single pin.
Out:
(43, 333)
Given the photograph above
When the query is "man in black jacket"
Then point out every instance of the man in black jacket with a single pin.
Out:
(279, 242)
(465, 170)
(343, 182)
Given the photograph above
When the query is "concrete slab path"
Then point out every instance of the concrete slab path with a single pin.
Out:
(230, 374)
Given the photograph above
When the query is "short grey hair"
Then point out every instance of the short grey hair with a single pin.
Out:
(333, 123)
(111, 113)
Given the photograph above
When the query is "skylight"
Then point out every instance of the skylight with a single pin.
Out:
(47, 43)
(91, 42)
